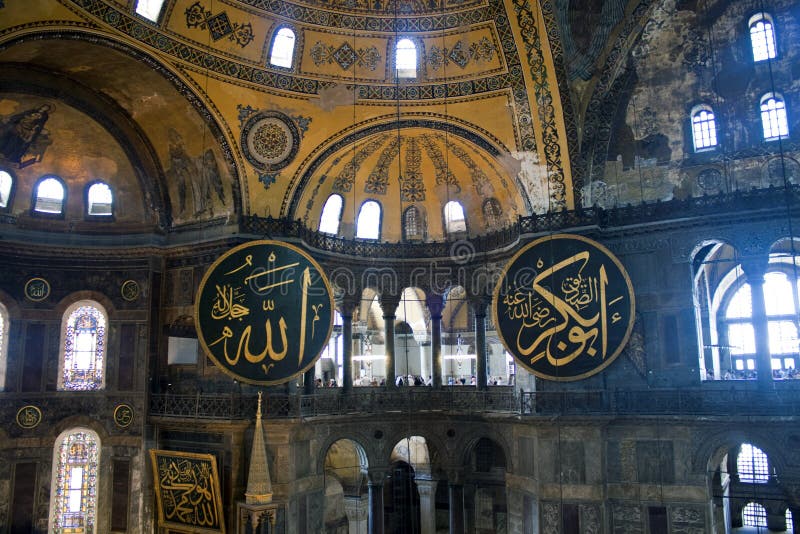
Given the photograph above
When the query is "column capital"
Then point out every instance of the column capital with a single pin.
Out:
(754, 268)
(479, 304)
(347, 304)
(435, 304)
(389, 304)
(377, 475)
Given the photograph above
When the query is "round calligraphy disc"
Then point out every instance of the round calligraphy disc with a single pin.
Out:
(264, 312)
(564, 307)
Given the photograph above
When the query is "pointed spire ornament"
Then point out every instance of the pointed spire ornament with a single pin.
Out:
(259, 484)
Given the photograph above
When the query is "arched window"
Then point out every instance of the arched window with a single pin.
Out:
(99, 200)
(6, 185)
(704, 128)
(4, 325)
(83, 345)
(73, 501)
(406, 59)
(781, 313)
(412, 225)
(331, 215)
(369, 220)
(149, 9)
(754, 515)
(454, 220)
(773, 117)
(762, 36)
(49, 196)
(789, 521)
(282, 48)
(752, 464)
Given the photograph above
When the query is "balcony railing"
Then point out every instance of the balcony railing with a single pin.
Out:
(504, 400)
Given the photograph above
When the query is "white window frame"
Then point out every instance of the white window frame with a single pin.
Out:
(368, 224)
(331, 217)
(281, 52)
(762, 37)
(704, 128)
(774, 117)
(405, 56)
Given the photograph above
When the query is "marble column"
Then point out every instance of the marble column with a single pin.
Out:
(375, 485)
(346, 307)
(308, 381)
(427, 504)
(479, 305)
(389, 305)
(754, 271)
(435, 307)
(456, 497)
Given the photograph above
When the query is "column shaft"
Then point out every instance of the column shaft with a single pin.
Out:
(375, 508)
(456, 494)
(347, 356)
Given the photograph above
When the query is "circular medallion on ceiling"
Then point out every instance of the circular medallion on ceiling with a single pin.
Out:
(270, 140)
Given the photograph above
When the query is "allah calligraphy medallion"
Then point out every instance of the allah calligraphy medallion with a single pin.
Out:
(564, 307)
(264, 312)
(29, 416)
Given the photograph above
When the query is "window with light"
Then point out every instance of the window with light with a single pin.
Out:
(773, 117)
(331, 215)
(83, 347)
(49, 196)
(149, 9)
(704, 128)
(412, 227)
(752, 465)
(99, 200)
(406, 59)
(6, 181)
(73, 503)
(368, 225)
(454, 219)
(762, 37)
(282, 48)
(782, 311)
(754, 515)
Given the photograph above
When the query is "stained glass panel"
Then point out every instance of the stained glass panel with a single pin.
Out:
(84, 349)
(75, 491)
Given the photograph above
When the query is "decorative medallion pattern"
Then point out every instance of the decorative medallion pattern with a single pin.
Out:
(344, 181)
(129, 290)
(219, 25)
(270, 140)
(345, 56)
(404, 7)
(37, 289)
(564, 307)
(29, 416)
(461, 54)
(123, 415)
(443, 173)
(479, 179)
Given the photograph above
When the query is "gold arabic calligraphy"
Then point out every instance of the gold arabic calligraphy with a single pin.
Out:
(188, 491)
(561, 324)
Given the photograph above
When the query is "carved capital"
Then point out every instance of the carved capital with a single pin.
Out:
(347, 304)
(377, 475)
(389, 304)
(480, 304)
(754, 268)
(435, 305)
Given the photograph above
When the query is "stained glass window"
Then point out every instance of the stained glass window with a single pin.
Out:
(282, 48)
(84, 348)
(74, 502)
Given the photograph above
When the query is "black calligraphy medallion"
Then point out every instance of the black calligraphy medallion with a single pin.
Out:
(264, 312)
(564, 307)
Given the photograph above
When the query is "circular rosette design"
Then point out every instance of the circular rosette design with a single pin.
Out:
(564, 307)
(270, 140)
(264, 312)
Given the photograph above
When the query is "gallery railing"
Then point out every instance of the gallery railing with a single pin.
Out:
(736, 202)
(464, 400)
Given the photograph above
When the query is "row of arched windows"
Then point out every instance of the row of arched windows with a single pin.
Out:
(82, 360)
(368, 223)
(774, 122)
(50, 196)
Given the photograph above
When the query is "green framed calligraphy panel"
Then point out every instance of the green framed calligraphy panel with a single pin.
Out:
(187, 492)
(264, 312)
(564, 307)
